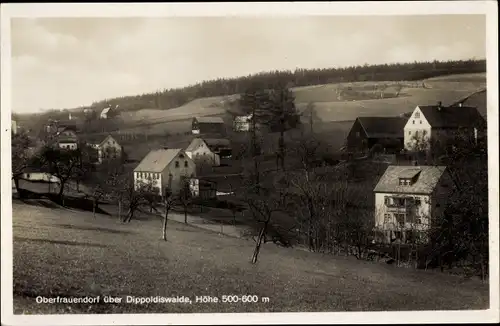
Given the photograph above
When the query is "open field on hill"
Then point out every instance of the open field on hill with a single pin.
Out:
(69, 253)
(329, 106)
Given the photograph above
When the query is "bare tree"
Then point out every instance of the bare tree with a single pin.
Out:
(185, 197)
(168, 201)
(20, 157)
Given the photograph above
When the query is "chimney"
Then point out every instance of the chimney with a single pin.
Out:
(460, 104)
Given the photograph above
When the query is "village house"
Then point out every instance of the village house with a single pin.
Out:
(165, 168)
(429, 125)
(106, 148)
(13, 124)
(369, 131)
(66, 138)
(242, 123)
(220, 146)
(106, 113)
(208, 125)
(408, 199)
(200, 153)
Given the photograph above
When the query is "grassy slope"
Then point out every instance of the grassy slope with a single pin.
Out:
(60, 252)
(329, 107)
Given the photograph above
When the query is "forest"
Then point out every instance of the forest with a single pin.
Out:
(170, 98)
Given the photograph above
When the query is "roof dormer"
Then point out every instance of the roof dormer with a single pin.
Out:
(409, 176)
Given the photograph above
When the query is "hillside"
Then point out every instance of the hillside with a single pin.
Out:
(70, 253)
(329, 102)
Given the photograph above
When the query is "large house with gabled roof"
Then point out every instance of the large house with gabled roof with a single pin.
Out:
(408, 199)
(165, 168)
(433, 124)
(106, 147)
(208, 125)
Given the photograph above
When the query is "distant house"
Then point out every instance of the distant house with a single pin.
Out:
(199, 151)
(242, 122)
(203, 188)
(408, 198)
(105, 113)
(13, 125)
(436, 124)
(35, 175)
(208, 125)
(107, 148)
(165, 168)
(66, 138)
(369, 131)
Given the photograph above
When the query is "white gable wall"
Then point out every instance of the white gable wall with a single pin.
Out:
(417, 126)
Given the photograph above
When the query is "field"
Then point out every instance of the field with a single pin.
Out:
(333, 102)
(58, 252)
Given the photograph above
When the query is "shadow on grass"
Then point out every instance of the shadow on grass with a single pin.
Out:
(69, 243)
(99, 229)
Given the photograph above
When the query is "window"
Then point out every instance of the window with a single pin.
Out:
(424, 132)
(387, 200)
(185, 164)
(413, 121)
(409, 132)
(387, 218)
(417, 115)
(176, 164)
(420, 121)
(400, 218)
(418, 202)
(358, 134)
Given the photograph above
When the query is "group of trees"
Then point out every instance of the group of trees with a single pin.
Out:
(170, 98)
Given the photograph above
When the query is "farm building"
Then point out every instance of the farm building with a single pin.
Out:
(199, 151)
(219, 146)
(369, 131)
(165, 168)
(106, 113)
(436, 124)
(208, 125)
(407, 198)
(106, 146)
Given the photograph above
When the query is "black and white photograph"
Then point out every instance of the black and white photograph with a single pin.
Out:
(305, 163)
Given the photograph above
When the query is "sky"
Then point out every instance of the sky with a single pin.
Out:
(70, 62)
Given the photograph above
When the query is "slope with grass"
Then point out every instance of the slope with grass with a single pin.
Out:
(68, 253)
(333, 102)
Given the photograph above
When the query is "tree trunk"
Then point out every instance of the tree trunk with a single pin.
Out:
(119, 210)
(165, 220)
(185, 215)
(93, 206)
(262, 234)
(16, 183)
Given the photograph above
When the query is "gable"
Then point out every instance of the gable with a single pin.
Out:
(357, 128)
(417, 120)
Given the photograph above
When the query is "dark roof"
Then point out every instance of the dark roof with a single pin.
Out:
(217, 142)
(452, 116)
(383, 127)
(428, 178)
(209, 120)
(477, 99)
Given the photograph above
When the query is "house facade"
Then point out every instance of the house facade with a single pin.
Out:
(366, 132)
(208, 125)
(66, 138)
(165, 168)
(105, 113)
(199, 152)
(432, 125)
(203, 189)
(242, 123)
(107, 148)
(408, 199)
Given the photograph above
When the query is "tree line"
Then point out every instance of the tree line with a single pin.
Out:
(174, 97)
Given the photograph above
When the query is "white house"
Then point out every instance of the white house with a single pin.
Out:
(107, 148)
(199, 151)
(13, 124)
(242, 122)
(408, 198)
(165, 168)
(429, 124)
(105, 113)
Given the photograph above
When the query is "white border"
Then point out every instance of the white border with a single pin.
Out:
(488, 8)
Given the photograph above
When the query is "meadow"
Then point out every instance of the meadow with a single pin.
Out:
(61, 252)
(330, 102)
